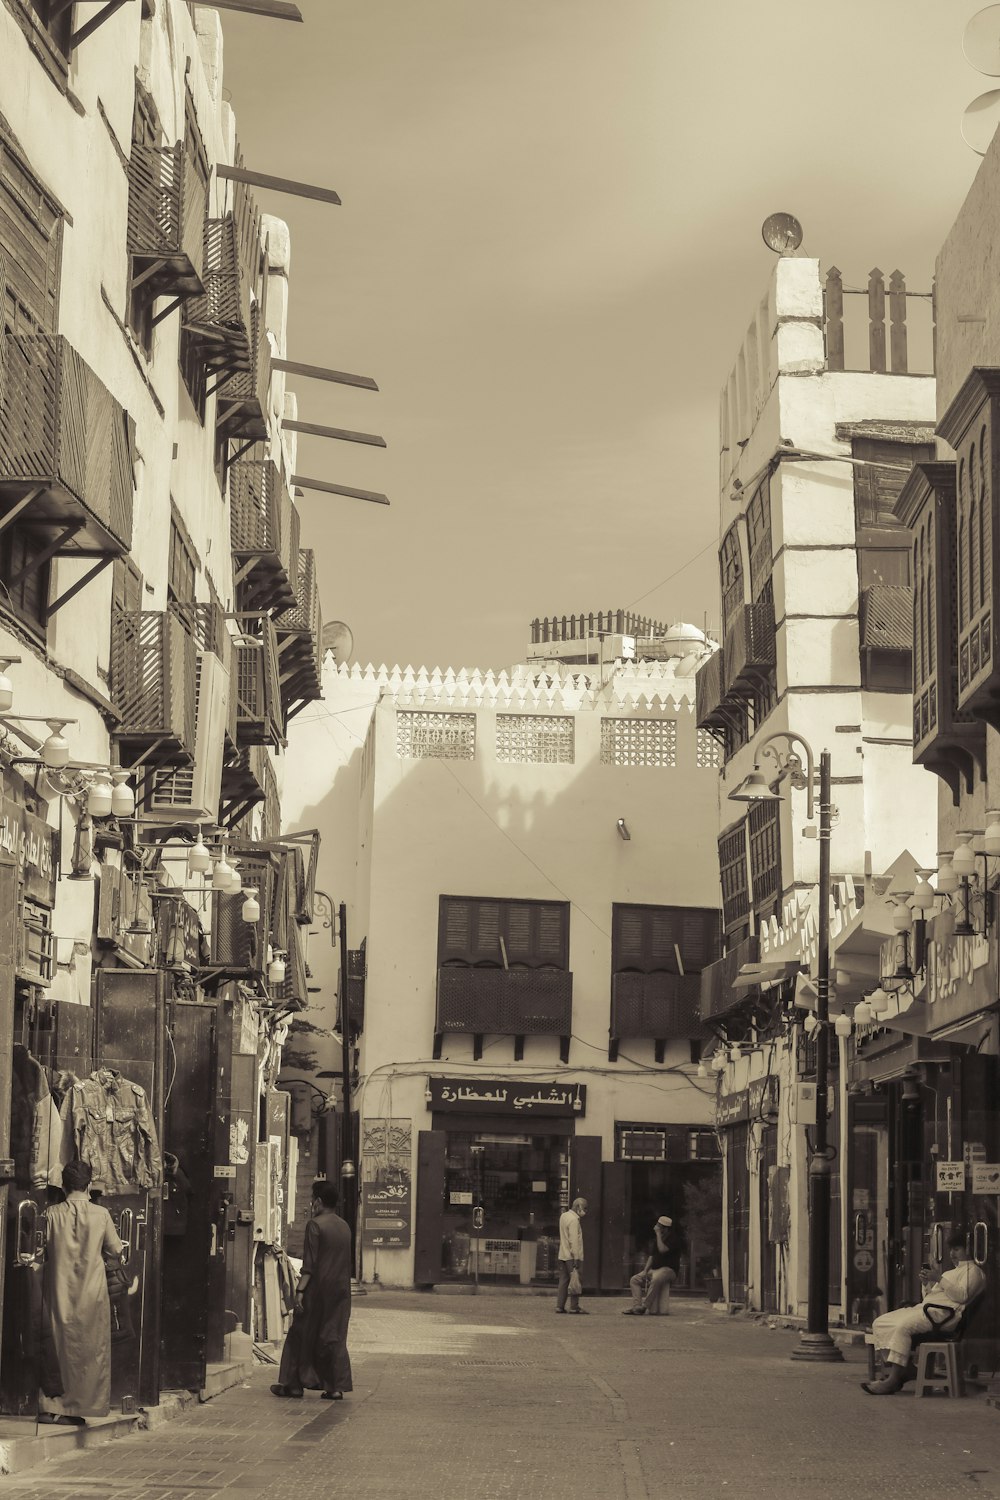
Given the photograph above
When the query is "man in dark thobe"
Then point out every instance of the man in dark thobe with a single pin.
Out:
(315, 1356)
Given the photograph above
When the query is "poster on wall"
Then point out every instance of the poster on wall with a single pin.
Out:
(386, 1185)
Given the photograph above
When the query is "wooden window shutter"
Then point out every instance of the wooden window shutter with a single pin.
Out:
(518, 933)
(455, 929)
(552, 944)
(30, 243)
(486, 935)
(881, 475)
(126, 585)
(628, 935)
(731, 574)
(662, 933)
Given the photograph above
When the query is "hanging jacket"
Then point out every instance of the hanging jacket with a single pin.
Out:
(36, 1133)
(109, 1121)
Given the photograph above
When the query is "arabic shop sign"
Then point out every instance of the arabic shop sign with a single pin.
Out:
(758, 1102)
(501, 1096)
(32, 843)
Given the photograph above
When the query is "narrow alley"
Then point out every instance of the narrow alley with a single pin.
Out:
(490, 1398)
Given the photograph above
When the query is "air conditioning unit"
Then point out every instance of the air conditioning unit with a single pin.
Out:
(193, 791)
(804, 1104)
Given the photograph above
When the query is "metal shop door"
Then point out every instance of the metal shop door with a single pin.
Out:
(188, 1142)
(867, 1211)
(129, 1036)
(738, 1210)
(236, 1114)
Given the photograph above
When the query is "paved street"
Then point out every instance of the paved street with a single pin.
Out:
(495, 1398)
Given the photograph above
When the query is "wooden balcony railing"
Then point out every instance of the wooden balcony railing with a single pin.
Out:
(713, 710)
(505, 1002)
(244, 784)
(717, 996)
(64, 440)
(749, 650)
(220, 319)
(886, 620)
(242, 408)
(260, 717)
(658, 1007)
(264, 532)
(167, 203)
(300, 640)
(153, 677)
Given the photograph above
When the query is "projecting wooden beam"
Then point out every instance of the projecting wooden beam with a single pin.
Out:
(338, 489)
(279, 184)
(278, 10)
(314, 430)
(95, 22)
(317, 372)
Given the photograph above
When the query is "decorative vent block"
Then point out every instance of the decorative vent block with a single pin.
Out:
(428, 736)
(535, 739)
(639, 742)
(709, 751)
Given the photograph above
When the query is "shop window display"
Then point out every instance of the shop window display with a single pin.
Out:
(521, 1183)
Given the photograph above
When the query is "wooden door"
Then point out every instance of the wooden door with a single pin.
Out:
(187, 1227)
(615, 1216)
(429, 1227)
(585, 1182)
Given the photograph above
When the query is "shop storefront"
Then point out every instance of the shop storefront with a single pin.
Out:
(496, 1171)
(925, 1136)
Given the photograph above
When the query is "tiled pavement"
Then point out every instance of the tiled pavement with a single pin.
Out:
(493, 1398)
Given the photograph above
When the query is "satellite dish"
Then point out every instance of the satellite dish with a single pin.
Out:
(981, 42)
(781, 233)
(980, 121)
(338, 638)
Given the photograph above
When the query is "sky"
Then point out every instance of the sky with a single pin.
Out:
(548, 253)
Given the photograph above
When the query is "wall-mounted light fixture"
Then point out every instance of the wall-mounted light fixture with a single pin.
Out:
(623, 832)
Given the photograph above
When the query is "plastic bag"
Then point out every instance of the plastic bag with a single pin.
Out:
(575, 1284)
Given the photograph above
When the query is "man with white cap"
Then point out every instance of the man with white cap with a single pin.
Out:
(651, 1286)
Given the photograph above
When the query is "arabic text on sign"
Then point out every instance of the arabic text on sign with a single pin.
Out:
(950, 1176)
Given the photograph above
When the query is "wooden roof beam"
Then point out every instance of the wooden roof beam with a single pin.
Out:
(318, 372)
(277, 184)
(338, 489)
(277, 10)
(315, 430)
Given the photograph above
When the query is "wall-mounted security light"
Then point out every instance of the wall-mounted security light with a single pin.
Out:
(623, 832)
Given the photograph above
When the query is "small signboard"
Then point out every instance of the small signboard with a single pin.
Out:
(227, 1172)
(460, 1198)
(973, 1151)
(986, 1177)
(950, 1176)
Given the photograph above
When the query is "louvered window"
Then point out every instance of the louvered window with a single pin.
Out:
(884, 555)
(479, 931)
(759, 540)
(663, 939)
(733, 874)
(183, 563)
(765, 858)
(731, 575)
(30, 248)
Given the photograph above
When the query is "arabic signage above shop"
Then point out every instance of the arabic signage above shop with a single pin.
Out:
(758, 1102)
(502, 1096)
(32, 843)
(960, 981)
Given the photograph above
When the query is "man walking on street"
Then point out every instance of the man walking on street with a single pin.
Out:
(570, 1255)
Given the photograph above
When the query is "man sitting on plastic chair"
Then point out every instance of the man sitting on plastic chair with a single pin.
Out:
(940, 1310)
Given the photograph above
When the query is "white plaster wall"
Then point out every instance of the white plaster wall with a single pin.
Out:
(967, 284)
(535, 832)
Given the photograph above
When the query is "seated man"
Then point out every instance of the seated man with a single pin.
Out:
(895, 1331)
(658, 1274)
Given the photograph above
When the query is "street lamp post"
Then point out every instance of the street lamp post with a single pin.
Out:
(815, 1342)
